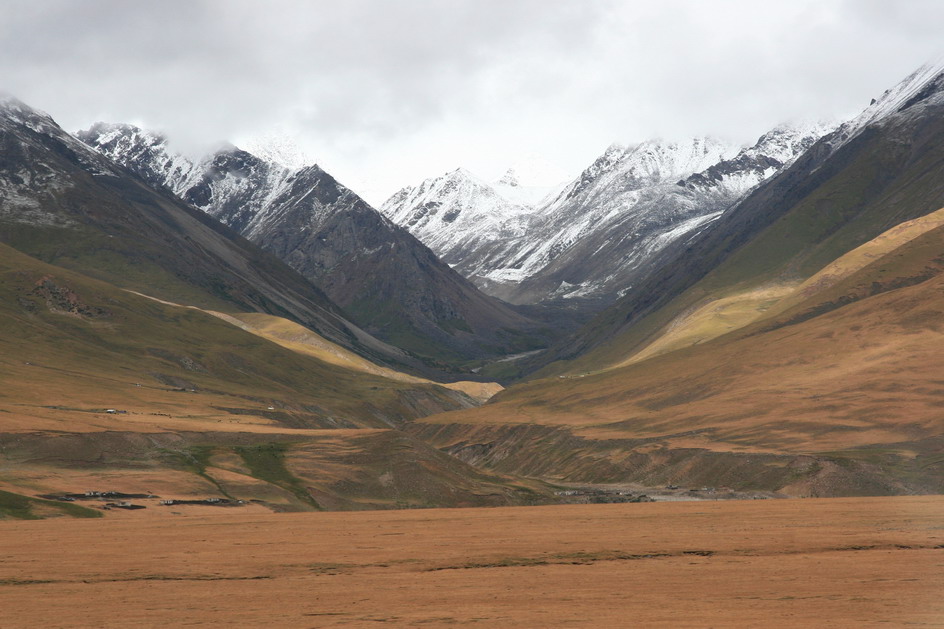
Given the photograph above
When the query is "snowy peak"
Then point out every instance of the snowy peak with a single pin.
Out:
(459, 193)
(924, 85)
(650, 163)
(279, 148)
(510, 179)
(230, 184)
(457, 212)
(144, 152)
(606, 162)
(786, 142)
(15, 114)
(655, 161)
(773, 151)
(26, 123)
(443, 200)
(119, 138)
(15, 110)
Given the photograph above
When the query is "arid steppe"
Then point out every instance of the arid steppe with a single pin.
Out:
(846, 562)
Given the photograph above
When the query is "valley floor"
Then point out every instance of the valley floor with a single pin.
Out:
(854, 562)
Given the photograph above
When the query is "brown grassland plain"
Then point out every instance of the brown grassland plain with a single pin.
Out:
(847, 562)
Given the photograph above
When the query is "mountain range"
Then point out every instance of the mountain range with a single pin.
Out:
(870, 174)
(764, 319)
(383, 278)
(586, 242)
(792, 345)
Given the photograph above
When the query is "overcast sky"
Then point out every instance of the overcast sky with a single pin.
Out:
(384, 93)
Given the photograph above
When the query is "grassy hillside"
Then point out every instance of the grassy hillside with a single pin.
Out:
(726, 314)
(299, 339)
(110, 390)
(837, 393)
(70, 341)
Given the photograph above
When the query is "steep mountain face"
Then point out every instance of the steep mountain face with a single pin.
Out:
(610, 218)
(64, 203)
(231, 185)
(142, 151)
(465, 219)
(387, 281)
(773, 151)
(882, 168)
(587, 244)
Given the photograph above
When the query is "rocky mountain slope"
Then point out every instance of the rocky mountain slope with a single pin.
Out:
(385, 279)
(464, 218)
(876, 171)
(66, 204)
(592, 240)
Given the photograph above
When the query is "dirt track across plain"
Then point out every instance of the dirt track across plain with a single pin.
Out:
(852, 562)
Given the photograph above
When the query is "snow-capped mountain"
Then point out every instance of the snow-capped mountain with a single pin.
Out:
(232, 185)
(774, 150)
(878, 170)
(624, 182)
(603, 232)
(67, 204)
(926, 84)
(590, 239)
(145, 152)
(387, 280)
(458, 215)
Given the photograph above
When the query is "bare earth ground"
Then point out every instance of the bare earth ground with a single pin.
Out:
(848, 562)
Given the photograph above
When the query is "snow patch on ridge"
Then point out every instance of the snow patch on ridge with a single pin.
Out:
(587, 237)
(928, 78)
(278, 147)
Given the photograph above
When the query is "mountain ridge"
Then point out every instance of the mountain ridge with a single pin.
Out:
(591, 240)
(386, 280)
(67, 204)
(847, 188)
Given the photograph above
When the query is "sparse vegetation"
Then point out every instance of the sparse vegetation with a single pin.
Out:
(267, 462)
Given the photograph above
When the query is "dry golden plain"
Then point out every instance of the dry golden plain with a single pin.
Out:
(847, 562)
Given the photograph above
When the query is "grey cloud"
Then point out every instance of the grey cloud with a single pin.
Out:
(390, 92)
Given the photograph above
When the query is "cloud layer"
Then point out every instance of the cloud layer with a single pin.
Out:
(385, 94)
